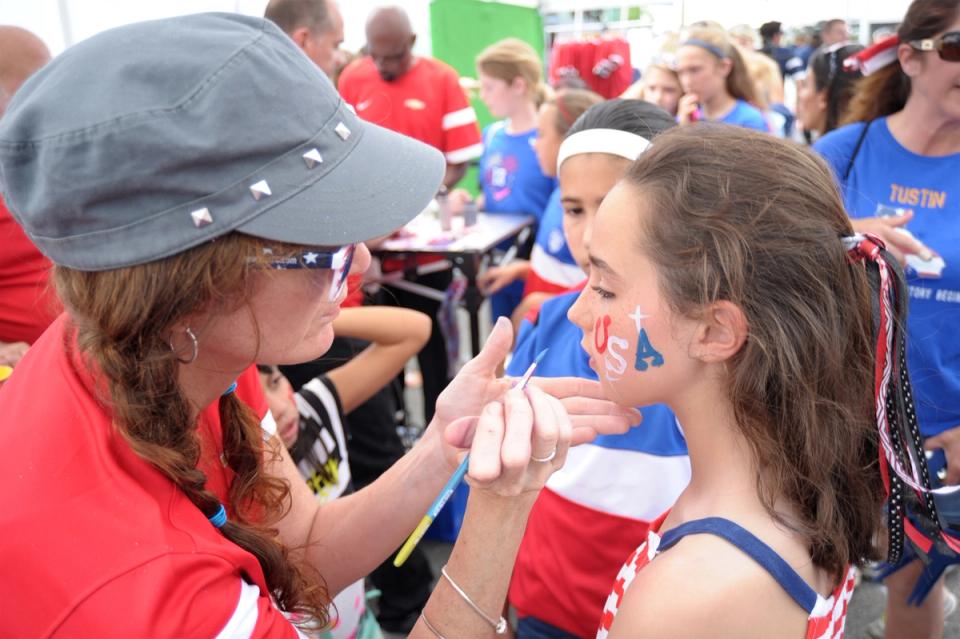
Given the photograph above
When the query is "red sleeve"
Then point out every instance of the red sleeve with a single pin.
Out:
(461, 134)
(188, 595)
(347, 85)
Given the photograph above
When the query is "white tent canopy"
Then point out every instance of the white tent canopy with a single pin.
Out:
(63, 22)
(60, 23)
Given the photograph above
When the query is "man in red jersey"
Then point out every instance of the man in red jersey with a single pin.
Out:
(418, 96)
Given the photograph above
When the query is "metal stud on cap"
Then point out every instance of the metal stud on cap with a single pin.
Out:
(260, 189)
(201, 217)
(342, 130)
(312, 158)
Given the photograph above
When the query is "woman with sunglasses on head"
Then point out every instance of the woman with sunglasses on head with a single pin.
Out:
(898, 163)
(203, 205)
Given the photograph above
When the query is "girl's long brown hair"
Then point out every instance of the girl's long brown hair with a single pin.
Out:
(123, 320)
(744, 217)
(886, 91)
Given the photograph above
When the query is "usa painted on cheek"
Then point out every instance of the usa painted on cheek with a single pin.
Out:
(612, 347)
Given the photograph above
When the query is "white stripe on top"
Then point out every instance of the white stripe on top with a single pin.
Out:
(244, 618)
(626, 483)
(465, 154)
(452, 120)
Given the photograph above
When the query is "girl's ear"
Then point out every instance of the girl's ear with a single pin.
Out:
(822, 102)
(519, 85)
(722, 332)
(726, 66)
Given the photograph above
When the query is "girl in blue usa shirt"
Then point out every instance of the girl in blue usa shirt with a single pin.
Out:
(510, 174)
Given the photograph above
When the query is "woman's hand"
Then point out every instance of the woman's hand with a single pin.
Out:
(516, 444)
(477, 385)
(496, 277)
(899, 242)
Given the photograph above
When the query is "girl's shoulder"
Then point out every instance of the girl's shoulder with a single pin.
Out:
(722, 589)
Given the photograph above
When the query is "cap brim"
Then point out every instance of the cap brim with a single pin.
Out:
(384, 182)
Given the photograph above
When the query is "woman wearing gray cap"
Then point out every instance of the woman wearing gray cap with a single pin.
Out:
(203, 192)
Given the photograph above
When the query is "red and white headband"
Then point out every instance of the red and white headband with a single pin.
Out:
(874, 57)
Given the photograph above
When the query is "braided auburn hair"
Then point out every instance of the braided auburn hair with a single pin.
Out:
(122, 320)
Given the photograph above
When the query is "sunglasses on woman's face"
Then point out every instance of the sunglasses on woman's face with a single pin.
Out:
(338, 261)
(947, 46)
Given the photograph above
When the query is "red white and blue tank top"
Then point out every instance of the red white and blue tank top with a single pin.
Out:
(826, 617)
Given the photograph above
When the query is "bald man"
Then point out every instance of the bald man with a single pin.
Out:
(27, 303)
(315, 25)
(418, 96)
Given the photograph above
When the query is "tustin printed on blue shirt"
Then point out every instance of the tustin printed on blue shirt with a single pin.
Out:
(887, 179)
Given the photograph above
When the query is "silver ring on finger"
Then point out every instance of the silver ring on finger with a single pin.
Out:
(544, 460)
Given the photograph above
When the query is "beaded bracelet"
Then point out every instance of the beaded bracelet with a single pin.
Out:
(499, 626)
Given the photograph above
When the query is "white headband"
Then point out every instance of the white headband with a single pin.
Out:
(613, 141)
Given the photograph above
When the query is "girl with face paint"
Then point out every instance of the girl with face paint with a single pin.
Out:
(726, 261)
(609, 491)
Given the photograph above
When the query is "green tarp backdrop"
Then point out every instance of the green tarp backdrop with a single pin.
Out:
(460, 29)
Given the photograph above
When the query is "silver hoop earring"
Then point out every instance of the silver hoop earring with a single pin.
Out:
(194, 343)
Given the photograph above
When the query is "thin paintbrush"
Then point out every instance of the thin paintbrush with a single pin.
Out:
(451, 485)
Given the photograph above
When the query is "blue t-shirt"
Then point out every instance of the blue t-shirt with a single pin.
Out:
(746, 115)
(510, 173)
(660, 433)
(887, 180)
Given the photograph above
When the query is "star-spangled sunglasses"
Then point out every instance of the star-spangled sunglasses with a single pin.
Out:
(947, 46)
(338, 261)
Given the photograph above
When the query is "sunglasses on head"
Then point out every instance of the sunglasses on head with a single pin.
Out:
(947, 46)
(338, 261)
